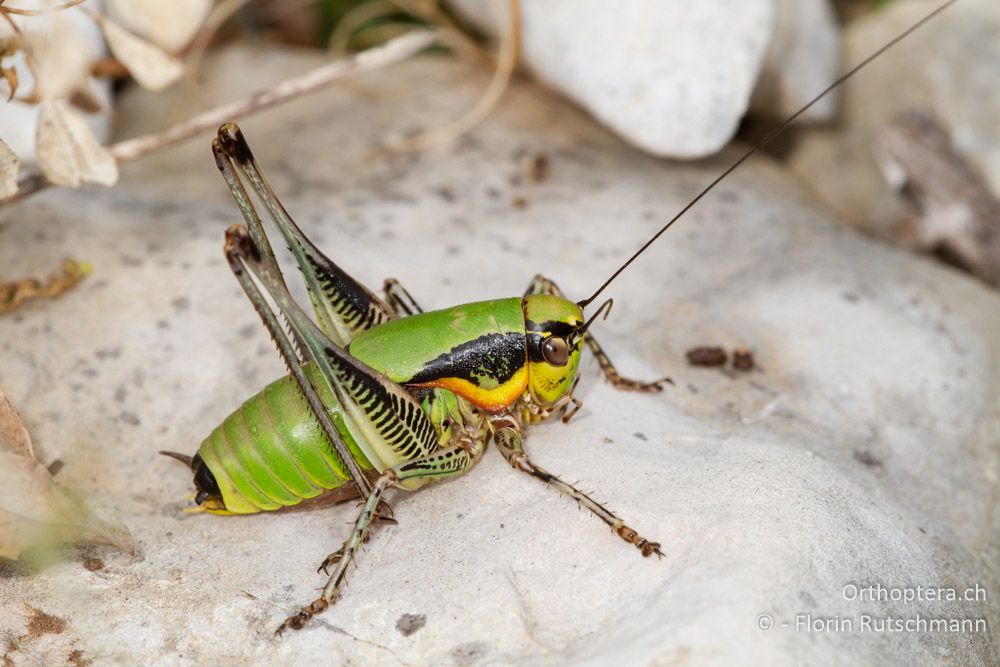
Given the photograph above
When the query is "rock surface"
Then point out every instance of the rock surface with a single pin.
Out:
(948, 69)
(676, 78)
(673, 78)
(802, 59)
(862, 451)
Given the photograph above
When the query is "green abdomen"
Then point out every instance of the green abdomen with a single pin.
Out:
(271, 452)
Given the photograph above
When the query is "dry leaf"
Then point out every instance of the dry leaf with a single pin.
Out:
(9, 166)
(68, 154)
(171, 25)
(13, 436)
(62, 47)
(34, 511)
(152, 67)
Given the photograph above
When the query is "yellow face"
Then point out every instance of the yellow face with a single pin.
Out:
(552, 325)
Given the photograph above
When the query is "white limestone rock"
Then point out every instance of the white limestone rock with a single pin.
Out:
(802, 59)
(671, 78)
(675, 78)
(862, 451)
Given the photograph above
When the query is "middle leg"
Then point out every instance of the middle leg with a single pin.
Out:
(508, 439)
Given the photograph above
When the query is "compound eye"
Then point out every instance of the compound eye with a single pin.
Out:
(555, 351)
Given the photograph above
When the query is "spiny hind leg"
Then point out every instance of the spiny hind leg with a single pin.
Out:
(509, 442)
(343, 305)
(338, 555)
(399, 299)
(542, 285)
(449, 462)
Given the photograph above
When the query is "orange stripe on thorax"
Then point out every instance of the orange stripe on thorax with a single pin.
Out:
(491, 400)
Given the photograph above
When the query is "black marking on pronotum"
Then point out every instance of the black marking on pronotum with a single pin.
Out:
(493, 356)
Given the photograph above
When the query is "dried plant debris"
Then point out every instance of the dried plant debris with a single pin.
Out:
(35, 512)
(152, 67)
(14, 293)
(707, 356)
(535, 168)
(52, 49)
(743, 359)
(170, 25)
(713, 356)
(68, 152)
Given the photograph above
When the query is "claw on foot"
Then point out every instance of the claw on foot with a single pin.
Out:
(298, 620)
(641, 543)
(330, 561)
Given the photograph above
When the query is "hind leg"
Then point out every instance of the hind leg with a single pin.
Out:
(450, 462)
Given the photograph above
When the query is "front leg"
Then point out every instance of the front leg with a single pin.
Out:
(508, 438)
(542, 285)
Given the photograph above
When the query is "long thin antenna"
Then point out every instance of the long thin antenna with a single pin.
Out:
(765, 141)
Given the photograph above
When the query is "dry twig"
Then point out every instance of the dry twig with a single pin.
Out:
(391, 52)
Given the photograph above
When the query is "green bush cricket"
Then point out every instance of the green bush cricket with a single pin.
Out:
(382, 394)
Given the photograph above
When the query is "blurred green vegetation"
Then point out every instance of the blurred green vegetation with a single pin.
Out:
(330, 13)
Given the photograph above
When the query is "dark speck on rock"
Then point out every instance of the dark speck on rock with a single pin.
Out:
(445, 193)
(109, 353)
(640, 436)
(40, 623)
(865, 457)
(162, 324)
(129, 418)
(469, 653)
(248, 330)
(410, 623)
(181, 303)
